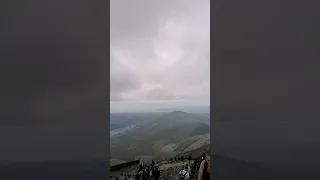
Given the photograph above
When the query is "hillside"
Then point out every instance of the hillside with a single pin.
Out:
(200, 129)
(193, 143)
(120, 120)
(148, 137)
(170, 168)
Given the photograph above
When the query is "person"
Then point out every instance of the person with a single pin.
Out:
(183, 174)
(130, 177)
(188, 169)
(156, 165)
(189, 158)
(137, 176)
(152, 163)
(156, 173)
(148, 172)
(143, 175)
(197, 164)
(151, 170)
(204, 169)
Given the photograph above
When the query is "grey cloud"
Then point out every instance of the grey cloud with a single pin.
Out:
(120, 83)
(140, 18)
(121, 79)
(160, 49)
(159, 94)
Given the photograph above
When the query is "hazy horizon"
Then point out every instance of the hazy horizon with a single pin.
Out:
(154, 106)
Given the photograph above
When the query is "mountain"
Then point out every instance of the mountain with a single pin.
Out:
(193, 143)
(148, 137)
(116, 126)
(200, 129)
(121, 120)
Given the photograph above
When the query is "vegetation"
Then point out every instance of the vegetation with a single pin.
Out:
(148, 137)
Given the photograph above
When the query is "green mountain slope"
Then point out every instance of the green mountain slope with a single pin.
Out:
(148, 138)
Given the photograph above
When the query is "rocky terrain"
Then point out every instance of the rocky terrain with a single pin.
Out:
(169, 170)
(192, 143)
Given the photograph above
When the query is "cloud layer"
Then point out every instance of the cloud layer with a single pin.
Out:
(160, 50)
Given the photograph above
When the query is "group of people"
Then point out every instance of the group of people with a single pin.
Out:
(180, 158)
(126, 177)
(144, 173)
(148, 172)
(202, 166)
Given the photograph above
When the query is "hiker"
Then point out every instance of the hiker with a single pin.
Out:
(203, 156)
(188, 169)
(183, 174)
(151, 173)
(140, 174)
(195, 164)
(204, 169)
(137, 176)
(152, 163)
(156, 173)
(194, 167)
(130, 177)
(144, 175)
(148, 172)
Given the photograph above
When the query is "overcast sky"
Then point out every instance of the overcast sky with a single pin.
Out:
(160, 50)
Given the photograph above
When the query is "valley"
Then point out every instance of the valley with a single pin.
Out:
(157, 135)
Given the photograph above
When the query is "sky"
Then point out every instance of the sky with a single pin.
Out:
(159, 51)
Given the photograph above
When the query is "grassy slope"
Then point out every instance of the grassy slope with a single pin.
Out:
(149, 137)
